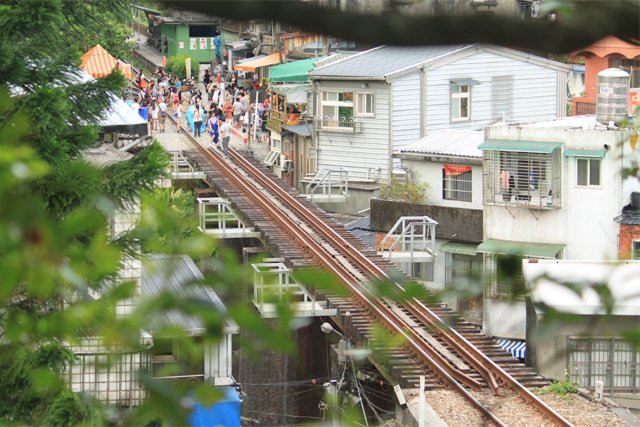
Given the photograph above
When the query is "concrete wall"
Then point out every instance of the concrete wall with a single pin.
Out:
(584, 223)
(465, 224)
(551, 349)
(504, 318)
(428, 172)
(358, 200)
(267, 377)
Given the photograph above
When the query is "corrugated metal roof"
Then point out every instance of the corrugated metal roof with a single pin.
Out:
(531, 249)
(449, 142)
(383, 60)
(546, 147)
(628, 219)
(178, 275)
(303, 129)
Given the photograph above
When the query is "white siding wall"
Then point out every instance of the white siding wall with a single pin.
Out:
(535, 94)
(406, 110)
(423, 171)
(361, 153)
(585, 222)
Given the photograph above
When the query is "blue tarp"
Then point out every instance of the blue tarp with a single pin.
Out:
(224, 413)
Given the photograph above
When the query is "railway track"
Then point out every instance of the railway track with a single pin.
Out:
(451, 358)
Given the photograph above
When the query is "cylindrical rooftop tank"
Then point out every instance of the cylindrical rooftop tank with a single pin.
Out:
(613, 96)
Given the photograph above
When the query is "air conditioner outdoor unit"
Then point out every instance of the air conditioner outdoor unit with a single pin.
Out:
(287, 166)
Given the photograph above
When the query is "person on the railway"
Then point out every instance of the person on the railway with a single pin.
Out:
(181, 111)
(155, 112)
(237, 112)
(197, 121)
(225, 133)
(212, 127)
(162, 106)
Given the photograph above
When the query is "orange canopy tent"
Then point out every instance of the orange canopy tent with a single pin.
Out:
(99, 63)
(263, 61)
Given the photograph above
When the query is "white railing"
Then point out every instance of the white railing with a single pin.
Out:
(180, 167)
(272, 282)
(411, 234)
(329, 182)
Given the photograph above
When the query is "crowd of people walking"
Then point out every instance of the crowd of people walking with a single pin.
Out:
(212, 112)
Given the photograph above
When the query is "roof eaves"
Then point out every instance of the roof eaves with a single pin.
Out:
(399, 73)
(438, 157)
(345, 58)
(527, 57)
(347, 78)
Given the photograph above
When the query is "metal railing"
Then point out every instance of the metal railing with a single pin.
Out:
(411, 234)
(214, 213)
(272, 282)
(342, 124)
(329, 182)
(180, 167)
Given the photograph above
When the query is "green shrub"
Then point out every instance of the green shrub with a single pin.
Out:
(560, 388)
(176, 65)
(404, 191)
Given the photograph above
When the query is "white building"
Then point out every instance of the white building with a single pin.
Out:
(450, 164)
(374, 102)
(551, 191)
(588, 346)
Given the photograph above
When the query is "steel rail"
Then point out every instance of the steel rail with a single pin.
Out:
(485, 366)
(382, 312)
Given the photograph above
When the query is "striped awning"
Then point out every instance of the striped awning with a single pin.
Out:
(517, 348)
(98, 62)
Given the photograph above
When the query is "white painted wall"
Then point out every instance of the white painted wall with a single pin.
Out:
(505, 318)
(363, 153)
(535, 91)
(584, 223)
(429, 172)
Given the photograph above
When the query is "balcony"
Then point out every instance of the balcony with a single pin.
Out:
(343, 124)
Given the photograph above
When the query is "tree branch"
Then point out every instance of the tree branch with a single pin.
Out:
(590, 21)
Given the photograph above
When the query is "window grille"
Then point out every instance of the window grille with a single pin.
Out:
(456, 187)
(513, 178)
(612, 360)
(462, 271)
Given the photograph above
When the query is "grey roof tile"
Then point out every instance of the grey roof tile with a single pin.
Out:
(178, 275)
(382, 61)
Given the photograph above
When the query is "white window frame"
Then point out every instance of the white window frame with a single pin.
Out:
(457, 98)
(635, 252)
(588, 183)
(361, 101)
(457, 194)
(337, 105)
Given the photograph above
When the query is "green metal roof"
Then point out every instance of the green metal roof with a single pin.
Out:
(527, 249)
(296, 71)
(459, 248)
(585, 153)
(517, 145)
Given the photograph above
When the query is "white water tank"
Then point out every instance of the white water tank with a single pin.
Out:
(613, 96)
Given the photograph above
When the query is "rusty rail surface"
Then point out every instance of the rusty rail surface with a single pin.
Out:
(488, 369)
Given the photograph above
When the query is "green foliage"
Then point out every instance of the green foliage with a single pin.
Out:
(404, 191)
(560, 388)
(177, 66)
(32, 377)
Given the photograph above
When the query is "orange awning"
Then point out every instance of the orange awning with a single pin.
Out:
(264, 61)
(126, 69)
(99, 63)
